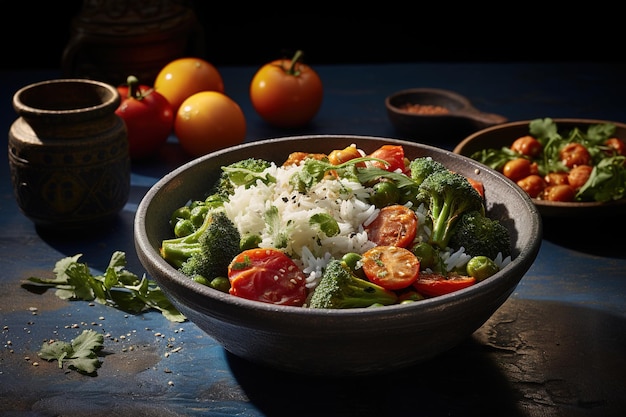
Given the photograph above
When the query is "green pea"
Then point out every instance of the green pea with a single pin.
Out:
(184, 227)
(201, 280)
(384, 193)
(198, 215)
(180, 213)
(481, 267)
(220, 283)
(351, 259)
(426, 254)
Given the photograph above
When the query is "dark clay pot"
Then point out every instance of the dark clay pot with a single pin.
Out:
(68, 153)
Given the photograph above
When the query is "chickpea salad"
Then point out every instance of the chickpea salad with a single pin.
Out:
(551, 164)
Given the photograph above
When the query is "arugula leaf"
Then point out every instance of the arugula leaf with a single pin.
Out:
(314, 170)
(80, 354)
(607, 181)
(117, 287)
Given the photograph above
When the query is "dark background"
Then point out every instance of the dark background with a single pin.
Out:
(34, 33)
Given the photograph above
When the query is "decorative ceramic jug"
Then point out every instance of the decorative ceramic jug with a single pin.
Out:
(68, 153)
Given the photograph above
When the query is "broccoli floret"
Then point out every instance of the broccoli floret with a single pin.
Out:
(447, 195)
(481, 235)
(423, 167)
(207, 251)
(245, 172)
(339, 288)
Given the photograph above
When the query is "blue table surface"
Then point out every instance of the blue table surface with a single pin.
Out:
(555, 348)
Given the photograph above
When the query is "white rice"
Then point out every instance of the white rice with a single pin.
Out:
(343, 200)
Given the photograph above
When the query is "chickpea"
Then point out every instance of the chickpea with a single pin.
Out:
(574, 154)
(533, 185)
(528, 146)
(518, 168)
(617, 145)
(556, 178)
(561, 192)
(579, 175)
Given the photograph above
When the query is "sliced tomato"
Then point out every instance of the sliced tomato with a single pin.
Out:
(396, 225)
(393, 154)
(267, 275)
(391, 267)
(478, 186)
(433, 284)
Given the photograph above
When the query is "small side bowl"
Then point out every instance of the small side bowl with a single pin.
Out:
(333, 342)
(504, 135)
(459, 119)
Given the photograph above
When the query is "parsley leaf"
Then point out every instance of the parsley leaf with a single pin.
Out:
(80, 354)
(118, 287)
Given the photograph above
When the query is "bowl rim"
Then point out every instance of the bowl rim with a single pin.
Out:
(524, 258)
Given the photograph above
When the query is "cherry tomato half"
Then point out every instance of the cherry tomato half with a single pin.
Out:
(267, 275)
(148, 117)
(286, 93)
(393, 154)
(395, 225)
(433, 284)
(390, 267)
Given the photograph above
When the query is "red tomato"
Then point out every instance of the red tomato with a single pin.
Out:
(394, 154)
(478, 186)
(433, 284)
(390, 267)
(286, 93)
(267, 275)
(148, 117)
(395, 225)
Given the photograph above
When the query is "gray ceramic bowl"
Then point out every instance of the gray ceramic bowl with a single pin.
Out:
(333, 342)
(504, 135)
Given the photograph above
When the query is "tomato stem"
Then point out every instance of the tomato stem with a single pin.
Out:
(134, 90)
(296, 58)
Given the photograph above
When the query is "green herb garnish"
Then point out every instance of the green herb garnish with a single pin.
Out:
(80, 354)
(118, 287)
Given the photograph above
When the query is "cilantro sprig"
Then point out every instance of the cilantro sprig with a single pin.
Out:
(81, 354)
(117, 287)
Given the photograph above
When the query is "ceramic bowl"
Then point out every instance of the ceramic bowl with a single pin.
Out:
(333, 342)
(435, 115)
(504, 135)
